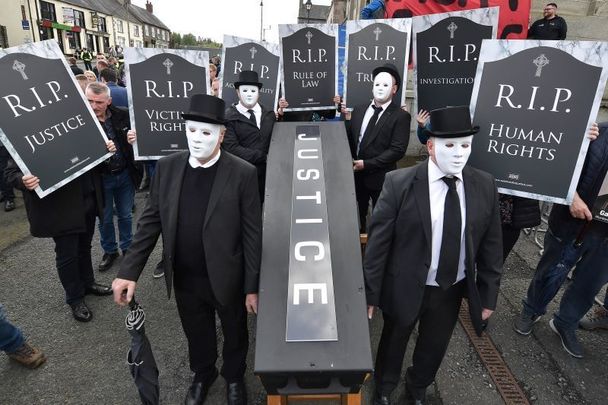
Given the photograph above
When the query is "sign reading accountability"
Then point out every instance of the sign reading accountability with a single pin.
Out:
(46, 123)
(447, 48)
(246, 54)
(372, 43)
(534, 102)
(310, 273)
(160, 83)
(310, 71)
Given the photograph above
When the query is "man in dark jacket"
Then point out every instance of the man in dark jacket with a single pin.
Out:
(566, 225)
(206, 205)
(551, 26)
(119, 175)
(75, 69)
(378, 135)
(249, 126)
(118, 93)
(68, 216)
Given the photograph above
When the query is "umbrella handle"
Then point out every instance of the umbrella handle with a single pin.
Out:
(581, 234)
(132, 304)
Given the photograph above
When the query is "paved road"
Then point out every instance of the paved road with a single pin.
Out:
(87, 361)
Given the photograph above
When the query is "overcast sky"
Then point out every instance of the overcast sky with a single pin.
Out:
(214, 18)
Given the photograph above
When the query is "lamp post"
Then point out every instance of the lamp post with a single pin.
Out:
(308, 6)
(261, 20)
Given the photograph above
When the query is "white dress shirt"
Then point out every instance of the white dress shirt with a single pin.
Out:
(368, 115)
(194, 162)
(437, 193)
(257, 111)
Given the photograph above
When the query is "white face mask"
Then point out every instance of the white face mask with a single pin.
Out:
(249, 95)
(383, 87)
(203, 138)
(451, 154)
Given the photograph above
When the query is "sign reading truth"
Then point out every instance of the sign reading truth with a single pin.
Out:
(46, 123)
(310, 71)
(246, 54)
(534, 102)
(160, 83)
(447, 48)
(372, 43)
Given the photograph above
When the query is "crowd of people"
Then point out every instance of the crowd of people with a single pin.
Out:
(442, 218)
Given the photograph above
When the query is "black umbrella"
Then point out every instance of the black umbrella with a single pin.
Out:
(140, 357)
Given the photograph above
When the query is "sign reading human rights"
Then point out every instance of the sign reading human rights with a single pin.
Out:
(246, 54)
(160, 83)
(46, 123)
(310, 71)
(447, 47)
(372, 43)
(534, 102)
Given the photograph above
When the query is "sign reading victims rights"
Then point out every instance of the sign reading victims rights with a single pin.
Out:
(310, 71)
(534, 102)
(372, 43)
(246, 54)
(46, 123)
(447, 48)
(160, 83)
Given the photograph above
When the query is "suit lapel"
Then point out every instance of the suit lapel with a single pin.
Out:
(175, 190)
(470, 191)
(224, 169)
(421, 193)
(381, 121)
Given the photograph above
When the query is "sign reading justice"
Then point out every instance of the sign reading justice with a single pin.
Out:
(160, 83)
(310, 71)
(534, 102)
(372, 43)
(246, 54)
(46, 123)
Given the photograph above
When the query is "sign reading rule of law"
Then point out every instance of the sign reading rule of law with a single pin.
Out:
(447, 47)
(160, 83)
(534, 102)
(310, 65)
(246, 54)
(46, 123)
(372, 43)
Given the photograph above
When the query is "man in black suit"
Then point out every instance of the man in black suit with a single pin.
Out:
(378, 135)
(249, 126)
(205, 203)
(434, 237)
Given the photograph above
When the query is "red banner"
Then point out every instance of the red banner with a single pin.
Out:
(513, 17)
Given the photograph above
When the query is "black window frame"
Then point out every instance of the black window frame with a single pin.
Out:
(47, 10)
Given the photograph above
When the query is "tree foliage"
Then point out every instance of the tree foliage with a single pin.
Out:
(189, 40)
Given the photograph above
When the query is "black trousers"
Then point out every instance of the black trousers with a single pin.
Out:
(5, 189)
(197, 306)
(363, 195)
(436, 321)
(510, 236)
(73, 257)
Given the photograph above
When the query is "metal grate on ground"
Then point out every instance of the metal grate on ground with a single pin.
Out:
(499, 371)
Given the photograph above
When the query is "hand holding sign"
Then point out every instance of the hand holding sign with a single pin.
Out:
(30, 181)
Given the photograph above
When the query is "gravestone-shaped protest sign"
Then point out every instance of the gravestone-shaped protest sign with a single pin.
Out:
(372, 43)
(446, 48)
(534, 102)
(160, 83)
(246, 54)
(46, 123)
(309, 72)
(600, 208)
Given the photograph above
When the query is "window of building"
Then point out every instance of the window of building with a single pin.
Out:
(136, 30)
(102, 25)
(121, 41)
(3, 37)
(79, 19)
(119, 26)
(146, 30)
(106, 44)
(74, 40)
(47, 11)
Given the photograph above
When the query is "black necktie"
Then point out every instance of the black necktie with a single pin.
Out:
(252, 117)
(372, 122)
(449, 256)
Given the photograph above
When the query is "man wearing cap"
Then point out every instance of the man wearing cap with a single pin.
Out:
(249, 126)
(205, 203)
(434, 238)
(378, 134)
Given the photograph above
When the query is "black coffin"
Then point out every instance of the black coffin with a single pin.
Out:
(312, 329)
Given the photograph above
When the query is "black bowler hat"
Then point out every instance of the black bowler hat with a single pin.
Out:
(451, 122)
(248, 77)
(205, 108)
(390, 69)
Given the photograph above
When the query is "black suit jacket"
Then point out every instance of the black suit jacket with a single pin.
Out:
(232, 233)
(384, 147)
(246, 140)
(398, 253)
